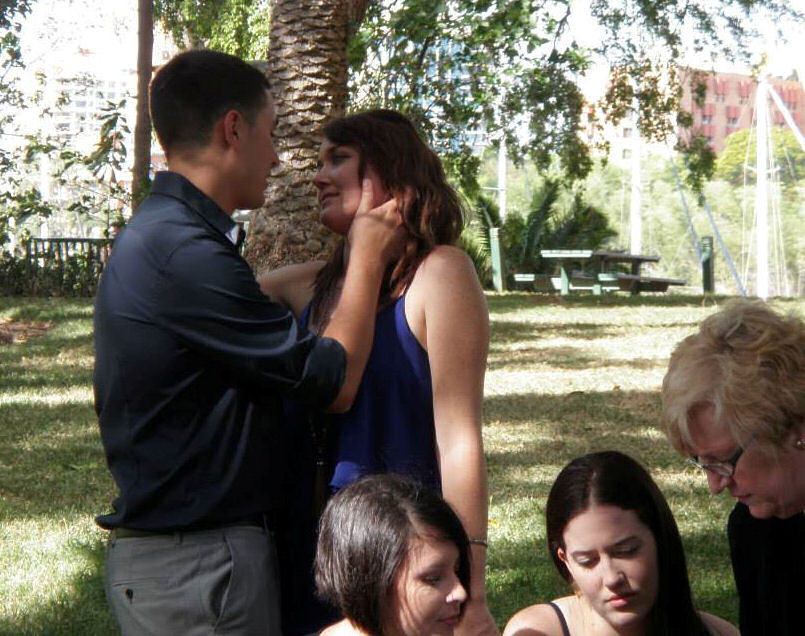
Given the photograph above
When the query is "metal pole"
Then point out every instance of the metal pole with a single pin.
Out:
(502, 178)
(708, 261)
(497, 264)
(761, 191)
(635, 218)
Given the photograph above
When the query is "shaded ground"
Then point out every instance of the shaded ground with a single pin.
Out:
(16, 331)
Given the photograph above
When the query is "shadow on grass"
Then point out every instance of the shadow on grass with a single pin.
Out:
(508, 331)
(18, 376)
(63, 438)
(525, 432)
(517, 301)
(577, 358)
(79, 611)
(58, 309)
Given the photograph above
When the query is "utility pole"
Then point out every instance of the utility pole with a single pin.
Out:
(762, 190)
(635, 202)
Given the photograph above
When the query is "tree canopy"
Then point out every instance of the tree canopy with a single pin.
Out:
(508, 69)
(740, 151)
(238, 27)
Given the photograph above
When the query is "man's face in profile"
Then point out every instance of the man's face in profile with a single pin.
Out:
(258, 157)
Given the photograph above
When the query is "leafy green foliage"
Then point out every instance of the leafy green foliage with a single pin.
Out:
(699, 159)
(508, 69)
(75, 276)
(238, 27)
(97, 196)
(557, 217)
(464, 67)
(740, 151)
(553, 223)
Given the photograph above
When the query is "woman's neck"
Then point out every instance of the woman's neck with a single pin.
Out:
(343, 627)
(583, 619)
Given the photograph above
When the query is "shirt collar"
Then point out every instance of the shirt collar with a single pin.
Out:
(172, 184)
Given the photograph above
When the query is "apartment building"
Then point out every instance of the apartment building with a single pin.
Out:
(729, 103)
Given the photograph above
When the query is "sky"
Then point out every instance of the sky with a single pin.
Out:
(107, 31)
(101, 36)
(84, 35)
(783, 55)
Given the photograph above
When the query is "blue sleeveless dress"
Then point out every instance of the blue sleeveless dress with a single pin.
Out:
(390, 427)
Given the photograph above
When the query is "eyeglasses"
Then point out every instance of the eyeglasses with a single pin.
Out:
(724, 468)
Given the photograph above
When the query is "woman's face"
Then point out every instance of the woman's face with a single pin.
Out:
(770, 485)
(427, 592)
(612, 557)
(339, 186)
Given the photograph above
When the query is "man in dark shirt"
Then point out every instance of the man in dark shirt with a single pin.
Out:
(191, 360)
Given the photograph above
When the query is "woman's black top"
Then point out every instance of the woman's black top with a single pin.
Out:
(768, 561)
(565, 630)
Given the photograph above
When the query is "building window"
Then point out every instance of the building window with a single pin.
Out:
(743, 99)
(626, 153)
(627, 132)
(707, 119)
(721, 97)
(732, 121)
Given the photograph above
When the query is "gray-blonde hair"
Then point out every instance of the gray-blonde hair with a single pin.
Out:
(747, 362)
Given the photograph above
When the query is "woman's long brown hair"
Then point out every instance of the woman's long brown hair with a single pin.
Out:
(432, 215)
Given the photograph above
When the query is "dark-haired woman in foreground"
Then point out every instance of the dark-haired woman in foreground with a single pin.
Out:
(612, 536)
(394, 558)
(418, 409)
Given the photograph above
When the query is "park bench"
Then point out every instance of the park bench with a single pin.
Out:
(602, 278)
(636, 284)
(579, 281)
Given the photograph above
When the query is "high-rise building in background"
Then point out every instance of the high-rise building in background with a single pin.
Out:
(729, 103)
(728, 107)
(80, 58)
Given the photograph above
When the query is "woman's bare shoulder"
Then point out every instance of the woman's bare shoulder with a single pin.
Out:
(718, 626)
(341, 628)
(446, 265)
(447, 256)
(536, 620)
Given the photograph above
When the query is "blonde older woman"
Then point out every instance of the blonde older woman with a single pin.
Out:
(734, 403)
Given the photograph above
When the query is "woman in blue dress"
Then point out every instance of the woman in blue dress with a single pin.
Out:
(418, 410)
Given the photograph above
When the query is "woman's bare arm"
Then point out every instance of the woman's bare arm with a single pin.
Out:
(292, 285)
(450, 317)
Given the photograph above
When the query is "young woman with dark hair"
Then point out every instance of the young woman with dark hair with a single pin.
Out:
(418, 409)
(394, 558)
(613, 537)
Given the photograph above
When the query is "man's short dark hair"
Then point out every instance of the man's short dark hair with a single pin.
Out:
(195, 88)
(364, 539)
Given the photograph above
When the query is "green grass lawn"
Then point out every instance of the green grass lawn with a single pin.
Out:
(565, 377)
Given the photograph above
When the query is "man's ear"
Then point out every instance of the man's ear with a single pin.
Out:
(233, 127)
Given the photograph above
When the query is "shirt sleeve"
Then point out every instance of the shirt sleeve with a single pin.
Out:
(208, 297)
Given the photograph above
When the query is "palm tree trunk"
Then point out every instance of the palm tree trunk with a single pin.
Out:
(142, 126)
(308, 72)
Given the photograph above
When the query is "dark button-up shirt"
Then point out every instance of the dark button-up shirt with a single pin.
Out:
(190, 361)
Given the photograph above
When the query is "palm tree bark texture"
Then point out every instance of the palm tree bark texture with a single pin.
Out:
(307, 68)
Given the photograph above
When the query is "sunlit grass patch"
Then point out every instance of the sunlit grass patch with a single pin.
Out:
(577, 375)
(565, 377)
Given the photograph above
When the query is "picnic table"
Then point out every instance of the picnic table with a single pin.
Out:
(591, 270)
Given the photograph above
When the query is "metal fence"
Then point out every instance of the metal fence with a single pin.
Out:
(57, 252)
